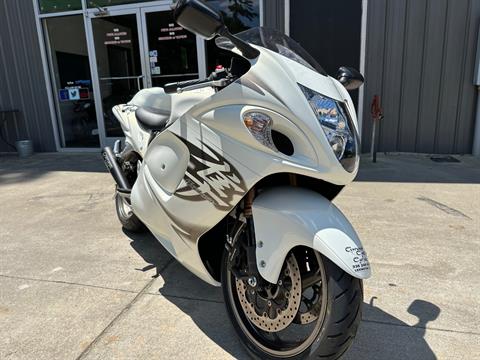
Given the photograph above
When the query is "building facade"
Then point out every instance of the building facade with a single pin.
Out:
(65, 63)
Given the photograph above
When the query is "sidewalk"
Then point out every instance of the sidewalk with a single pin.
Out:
(75, 286)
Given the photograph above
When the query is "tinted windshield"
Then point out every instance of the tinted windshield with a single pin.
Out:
(276, 41)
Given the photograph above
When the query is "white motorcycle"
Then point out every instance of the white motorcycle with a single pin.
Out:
(235, 175)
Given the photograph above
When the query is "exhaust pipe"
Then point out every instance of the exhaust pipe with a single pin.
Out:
(118, 175)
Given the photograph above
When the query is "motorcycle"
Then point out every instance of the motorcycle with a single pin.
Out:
(235, 176)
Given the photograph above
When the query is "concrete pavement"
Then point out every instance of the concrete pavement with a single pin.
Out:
(73, 285)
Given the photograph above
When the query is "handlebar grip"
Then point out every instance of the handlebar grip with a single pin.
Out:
(171, 88)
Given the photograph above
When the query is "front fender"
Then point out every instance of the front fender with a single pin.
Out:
(286, 217)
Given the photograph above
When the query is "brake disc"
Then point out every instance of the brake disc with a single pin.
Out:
(312, 305)
(274, 308)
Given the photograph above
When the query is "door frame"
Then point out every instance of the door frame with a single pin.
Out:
(90, 16)
(140, 12)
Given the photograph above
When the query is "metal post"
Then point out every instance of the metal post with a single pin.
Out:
(476, 82)
(476, 134)
(377, 115)
(373, 149)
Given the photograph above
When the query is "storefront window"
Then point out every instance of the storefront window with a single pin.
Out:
(172, 50)
(239, 15)
(72, 82)
(97, 3)
(51, 6)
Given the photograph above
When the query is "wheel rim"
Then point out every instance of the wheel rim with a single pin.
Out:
(279, 305)
(124, 207)
(287, 342)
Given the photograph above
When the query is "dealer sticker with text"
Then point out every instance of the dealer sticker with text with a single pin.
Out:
(359, 258)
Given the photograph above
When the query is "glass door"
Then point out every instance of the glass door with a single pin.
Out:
(173, 53)
(71, 79)
(119, 57)
(135, 48)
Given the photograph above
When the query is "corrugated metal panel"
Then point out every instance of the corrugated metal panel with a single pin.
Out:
(274, 14)
(420, 60)
(22, 83)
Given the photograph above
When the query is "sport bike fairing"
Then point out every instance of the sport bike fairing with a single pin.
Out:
(195, 172)
(175, 104)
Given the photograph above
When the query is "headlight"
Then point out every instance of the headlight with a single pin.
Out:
(337, 126)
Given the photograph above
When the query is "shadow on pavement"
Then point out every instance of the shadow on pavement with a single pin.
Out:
(149, 249)
(199, 300)
(15, 170)
(381, 335)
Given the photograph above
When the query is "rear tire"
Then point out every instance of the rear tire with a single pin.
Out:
(126, 216)
(336, 329)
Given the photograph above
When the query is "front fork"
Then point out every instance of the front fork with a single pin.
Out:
(236, 245)
(250, 235)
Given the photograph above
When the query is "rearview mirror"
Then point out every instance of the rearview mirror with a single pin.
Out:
(350, 78)
(199, 18)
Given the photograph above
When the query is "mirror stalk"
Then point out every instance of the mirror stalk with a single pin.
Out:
(246, 49)
(196, 16)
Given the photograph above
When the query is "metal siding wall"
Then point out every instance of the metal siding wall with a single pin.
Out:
(22, 83)
(420, 60)
(432, 69)
(413, 63)
(274, 14)
(393, 61)
(468, 97)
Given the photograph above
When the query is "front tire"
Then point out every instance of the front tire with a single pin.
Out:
(332, 333)
(126, 216)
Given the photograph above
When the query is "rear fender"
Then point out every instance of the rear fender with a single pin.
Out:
(134, 134)
(287, 217)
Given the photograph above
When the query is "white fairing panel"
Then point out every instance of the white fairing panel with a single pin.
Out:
(287, 217)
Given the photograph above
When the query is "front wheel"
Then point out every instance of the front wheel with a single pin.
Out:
(313, 311)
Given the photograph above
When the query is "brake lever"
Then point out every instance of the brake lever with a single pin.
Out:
(213, 83)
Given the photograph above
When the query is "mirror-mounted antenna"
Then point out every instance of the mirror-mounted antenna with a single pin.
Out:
(199, 18)
(350, 78)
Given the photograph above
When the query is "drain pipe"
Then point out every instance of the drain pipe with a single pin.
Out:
(476, 81)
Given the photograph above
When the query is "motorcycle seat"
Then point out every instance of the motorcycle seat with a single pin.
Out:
(152, 118)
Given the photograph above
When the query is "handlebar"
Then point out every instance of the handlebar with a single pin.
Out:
(218, 78)
(173, 88)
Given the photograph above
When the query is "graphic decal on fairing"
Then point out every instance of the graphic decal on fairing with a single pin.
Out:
(210, 177)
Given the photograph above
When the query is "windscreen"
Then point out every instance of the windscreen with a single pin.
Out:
(276, 41)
